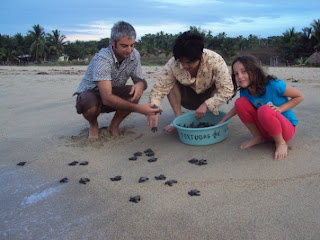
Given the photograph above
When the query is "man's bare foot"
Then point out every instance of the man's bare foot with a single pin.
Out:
(93, 132)
(281, 151)
(114, 131)
(169, 129)
(253, 141)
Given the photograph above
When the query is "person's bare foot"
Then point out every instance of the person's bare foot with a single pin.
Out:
(114, 131)
(93, 132)
(253, 141)
(169, 129)
(281, 151)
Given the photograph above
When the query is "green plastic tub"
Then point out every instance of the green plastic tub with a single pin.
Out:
(201, 136)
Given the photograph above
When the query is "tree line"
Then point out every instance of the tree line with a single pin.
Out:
(292, 46)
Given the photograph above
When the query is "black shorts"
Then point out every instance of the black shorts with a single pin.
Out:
(190, 99)
(91, 98)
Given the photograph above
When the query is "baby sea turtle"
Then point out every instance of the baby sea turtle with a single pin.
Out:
(21, 163)
(198, 162)
(143, 179)
(135, 199)
(154, 129)
(155, 106)
(202, 162)
(153, 159)
(193, 161)
(73, 163)
(194, 192)
(170, 182)
(84, 180)
(84, 163)
(160, 177)
(64, 180)
(148, 150)
(116, 178)
(137, 154)
(133, 158)
(150, 154)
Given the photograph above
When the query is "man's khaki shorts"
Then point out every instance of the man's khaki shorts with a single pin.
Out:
(91, 98)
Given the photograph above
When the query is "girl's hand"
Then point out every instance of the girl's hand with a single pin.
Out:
(273, 107)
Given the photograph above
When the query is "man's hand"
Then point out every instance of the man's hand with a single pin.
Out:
(136, 91)
(201, 110)
(147, 109)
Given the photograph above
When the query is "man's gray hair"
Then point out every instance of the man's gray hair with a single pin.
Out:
(122, 29)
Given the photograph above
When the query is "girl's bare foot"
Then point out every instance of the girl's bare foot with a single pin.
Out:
(93, 132)
(253, 141)
(281, 151)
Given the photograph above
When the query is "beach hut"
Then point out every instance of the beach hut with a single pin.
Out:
(314, 59)
(64, 57)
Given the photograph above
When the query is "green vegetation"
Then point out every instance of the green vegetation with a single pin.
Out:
(293, 47)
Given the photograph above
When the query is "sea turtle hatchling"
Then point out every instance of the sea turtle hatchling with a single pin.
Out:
(193, 161)
(116, 178)
(194, 192)
(84, 180)
(133, 158)
(137, 154)
(150, 154)
(73, 163)
(153, 159)
(64, 180)
(143, 179)
(160, 177)
(202, 162)
(148, 150)
(135, 199)
(170, 182)
(21, 163)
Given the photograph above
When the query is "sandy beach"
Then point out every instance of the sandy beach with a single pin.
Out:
(245, 194)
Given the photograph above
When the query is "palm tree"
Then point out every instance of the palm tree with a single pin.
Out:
(38, 47)
(290, 46)
(316, 32)
(57, 42)
(18, 44)
(6, 54)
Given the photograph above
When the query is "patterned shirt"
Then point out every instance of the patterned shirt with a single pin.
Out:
(105, 66)
(212, 70)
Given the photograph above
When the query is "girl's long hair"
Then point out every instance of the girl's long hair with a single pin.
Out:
(258, 78)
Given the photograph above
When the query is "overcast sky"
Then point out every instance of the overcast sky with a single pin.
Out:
(93, 19)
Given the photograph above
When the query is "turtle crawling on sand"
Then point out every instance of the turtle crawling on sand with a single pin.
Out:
(194, 192)
(135, 199)
(116, 178)
(170, 182)
(84, 180)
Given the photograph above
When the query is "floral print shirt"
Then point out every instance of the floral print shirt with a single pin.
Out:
(212, 70)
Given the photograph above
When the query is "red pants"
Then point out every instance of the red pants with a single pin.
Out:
(269, 122)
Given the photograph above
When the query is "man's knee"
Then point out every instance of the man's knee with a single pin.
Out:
(92, 113)
(87, 100)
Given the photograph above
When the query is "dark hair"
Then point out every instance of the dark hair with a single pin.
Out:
(258, 78)
(122, 29)
(189, 45)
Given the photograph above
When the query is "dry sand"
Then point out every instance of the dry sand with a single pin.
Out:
(245, 194)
